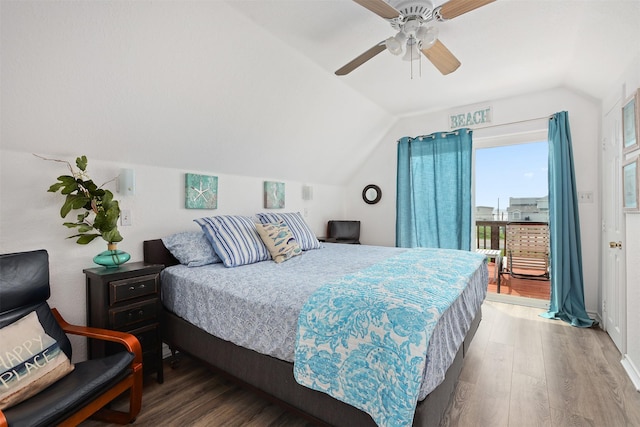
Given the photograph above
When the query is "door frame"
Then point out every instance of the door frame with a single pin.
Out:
(613, 296)
(523, 132)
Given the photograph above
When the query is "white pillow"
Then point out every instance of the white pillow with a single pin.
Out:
(36, 360)
(235, 239)
(300, 229)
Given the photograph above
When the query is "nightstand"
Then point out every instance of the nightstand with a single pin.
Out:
(127, 298)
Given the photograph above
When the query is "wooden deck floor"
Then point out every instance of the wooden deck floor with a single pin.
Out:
(527, 288)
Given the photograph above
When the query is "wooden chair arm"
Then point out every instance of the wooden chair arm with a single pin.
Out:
(132, 381)
(130, 342)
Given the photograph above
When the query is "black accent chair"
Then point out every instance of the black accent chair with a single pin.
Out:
(24, 287)
(343, 232)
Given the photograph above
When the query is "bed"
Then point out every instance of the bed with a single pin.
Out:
(266, 365)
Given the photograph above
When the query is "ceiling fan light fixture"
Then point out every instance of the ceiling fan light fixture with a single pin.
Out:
(412, 53)
(427, 36)
(395, 44)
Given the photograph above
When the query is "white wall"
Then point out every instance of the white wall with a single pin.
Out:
(30, 219)
(378, 221)
(632, 82)
(191, 84)
(631, 359)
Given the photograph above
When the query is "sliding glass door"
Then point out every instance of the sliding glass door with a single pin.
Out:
(511, 185)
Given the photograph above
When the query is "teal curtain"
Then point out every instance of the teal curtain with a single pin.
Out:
(567, 285)
(433, 206)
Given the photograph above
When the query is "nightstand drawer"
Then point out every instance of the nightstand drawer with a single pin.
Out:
(122, 290)
(133, 313)
(148, 337)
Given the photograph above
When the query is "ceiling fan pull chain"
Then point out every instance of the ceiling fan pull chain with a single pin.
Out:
(411, 57)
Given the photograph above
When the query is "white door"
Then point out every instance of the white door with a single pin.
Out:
(613, 253)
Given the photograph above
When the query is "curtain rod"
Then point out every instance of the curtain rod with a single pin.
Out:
(514, 123)
(434, 134)
(455, 131)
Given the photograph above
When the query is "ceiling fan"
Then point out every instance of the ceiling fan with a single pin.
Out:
(412, 19)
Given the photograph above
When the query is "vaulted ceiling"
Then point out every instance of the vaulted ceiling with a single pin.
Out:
(248, 87)
(506, 47)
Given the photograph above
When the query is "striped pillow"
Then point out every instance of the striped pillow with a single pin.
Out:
(235, 239)
(300, 229)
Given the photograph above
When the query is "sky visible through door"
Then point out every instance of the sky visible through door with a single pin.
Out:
(512, 171)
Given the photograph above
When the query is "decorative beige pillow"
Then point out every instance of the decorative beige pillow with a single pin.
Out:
(298, 226)
(30, 360)
(279, 241)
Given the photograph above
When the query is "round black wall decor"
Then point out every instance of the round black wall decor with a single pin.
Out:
(371, 194)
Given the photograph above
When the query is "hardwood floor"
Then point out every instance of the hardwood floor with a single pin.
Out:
(521, 370)
(192, 395)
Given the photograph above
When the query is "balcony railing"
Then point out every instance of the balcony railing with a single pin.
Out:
(491, 235)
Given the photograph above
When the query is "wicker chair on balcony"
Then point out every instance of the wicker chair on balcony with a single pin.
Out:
(527, 250)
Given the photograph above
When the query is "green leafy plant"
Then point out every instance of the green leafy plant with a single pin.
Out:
(100, 212)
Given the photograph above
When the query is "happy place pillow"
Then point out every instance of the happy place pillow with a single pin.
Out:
(298, 226)
(191, 248)
(279, 240)
(235, 239)
(31, 361)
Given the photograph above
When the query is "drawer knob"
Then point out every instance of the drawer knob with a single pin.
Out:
(132, 288)
(131, 314)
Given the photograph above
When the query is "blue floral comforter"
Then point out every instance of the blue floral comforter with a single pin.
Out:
(363, 338)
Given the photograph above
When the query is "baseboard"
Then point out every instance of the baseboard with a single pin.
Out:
(596, 316)
(532, 302)
(632, 371)
(511, 299)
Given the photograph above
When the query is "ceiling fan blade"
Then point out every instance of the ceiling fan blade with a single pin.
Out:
(442, 58)
(454, 8)
(355, 63)
(380, 8)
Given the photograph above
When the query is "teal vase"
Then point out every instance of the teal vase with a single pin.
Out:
(112, 257)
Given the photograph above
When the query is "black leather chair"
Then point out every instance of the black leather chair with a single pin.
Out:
(24, 287)
(343, 232)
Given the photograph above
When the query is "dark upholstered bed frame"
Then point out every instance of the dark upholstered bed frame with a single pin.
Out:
(274, 378)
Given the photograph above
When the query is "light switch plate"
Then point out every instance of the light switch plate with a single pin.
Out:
(125, 217)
